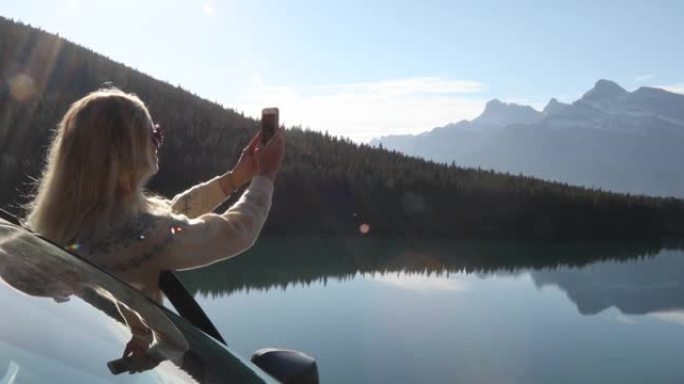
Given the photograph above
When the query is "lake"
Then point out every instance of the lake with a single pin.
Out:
(457, 311)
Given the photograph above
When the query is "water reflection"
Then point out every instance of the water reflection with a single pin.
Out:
(404, 311)
(412, 281)
(636, 287)
(596, 274)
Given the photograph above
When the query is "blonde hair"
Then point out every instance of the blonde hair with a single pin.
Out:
(97, 164)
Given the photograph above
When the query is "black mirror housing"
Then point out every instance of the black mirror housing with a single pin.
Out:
(287, 366)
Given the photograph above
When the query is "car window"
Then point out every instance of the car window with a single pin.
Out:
(64, 320)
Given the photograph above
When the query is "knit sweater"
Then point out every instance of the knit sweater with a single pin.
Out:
(189, 237)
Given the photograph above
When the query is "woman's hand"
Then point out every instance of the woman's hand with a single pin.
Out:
(256, 159)
(269, 157)
(245, 169)
(138, 344)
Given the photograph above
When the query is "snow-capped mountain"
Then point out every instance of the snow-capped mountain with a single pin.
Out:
(609, 138)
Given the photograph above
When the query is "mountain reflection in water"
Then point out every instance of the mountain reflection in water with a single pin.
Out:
(636, 277)
(635, 287)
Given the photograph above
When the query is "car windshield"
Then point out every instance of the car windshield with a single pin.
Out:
(67, 321)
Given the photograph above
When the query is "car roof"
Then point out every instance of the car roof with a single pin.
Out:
(62, 314)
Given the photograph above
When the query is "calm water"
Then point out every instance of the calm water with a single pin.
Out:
(457, 311)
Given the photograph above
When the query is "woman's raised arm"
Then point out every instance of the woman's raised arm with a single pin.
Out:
(206, 197)
(212, 237)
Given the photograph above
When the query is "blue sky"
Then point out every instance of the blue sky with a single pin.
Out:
(362, 69)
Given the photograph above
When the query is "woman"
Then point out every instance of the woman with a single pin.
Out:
(90, 198)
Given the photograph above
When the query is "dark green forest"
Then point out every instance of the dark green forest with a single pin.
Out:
(328, 186)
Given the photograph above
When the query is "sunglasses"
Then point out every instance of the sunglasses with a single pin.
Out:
(157, 136)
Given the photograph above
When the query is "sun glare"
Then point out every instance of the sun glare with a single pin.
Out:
(208, 8)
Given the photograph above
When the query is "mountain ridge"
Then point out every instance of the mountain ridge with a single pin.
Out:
(499, 113)
(609, 138)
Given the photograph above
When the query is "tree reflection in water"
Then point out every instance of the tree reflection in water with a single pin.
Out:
(631, 275)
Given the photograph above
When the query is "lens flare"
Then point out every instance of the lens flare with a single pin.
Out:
(73, 247)
(22, 87)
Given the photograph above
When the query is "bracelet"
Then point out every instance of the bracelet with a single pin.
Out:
(231, 184)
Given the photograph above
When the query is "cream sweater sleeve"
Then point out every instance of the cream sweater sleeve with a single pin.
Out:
(200, 199)
(212, 237)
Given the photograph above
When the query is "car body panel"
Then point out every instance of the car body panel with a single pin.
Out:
(62, 322)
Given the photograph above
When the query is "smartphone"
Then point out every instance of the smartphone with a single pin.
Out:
(119, 365)
(269, 123)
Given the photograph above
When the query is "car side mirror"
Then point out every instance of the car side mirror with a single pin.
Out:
(287, 366)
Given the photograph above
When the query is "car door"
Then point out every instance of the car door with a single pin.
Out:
(65, 320)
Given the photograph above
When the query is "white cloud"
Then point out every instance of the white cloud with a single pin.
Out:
(362, 111)
(642, 78)
(676, 88)
(421, 282)
(676, 317)
(256, 80)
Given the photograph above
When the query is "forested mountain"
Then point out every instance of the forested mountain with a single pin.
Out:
(610, 138)
(328, 186)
